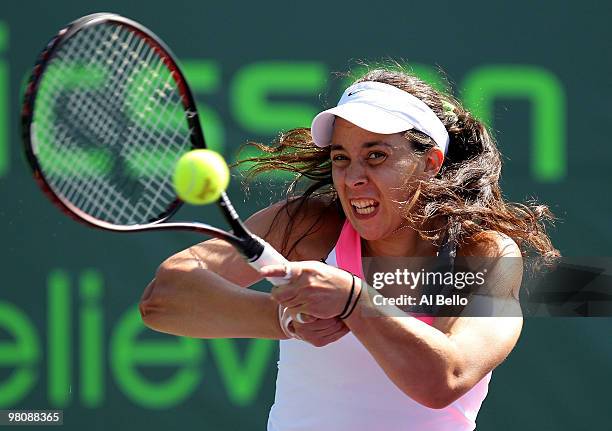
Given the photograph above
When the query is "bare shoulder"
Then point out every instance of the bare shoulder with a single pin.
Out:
(500, 257)
(300, 229)
(490, 243)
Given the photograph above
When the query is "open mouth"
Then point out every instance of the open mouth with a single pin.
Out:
(364, 207)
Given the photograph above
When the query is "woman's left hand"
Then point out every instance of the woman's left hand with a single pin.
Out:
(315, 289)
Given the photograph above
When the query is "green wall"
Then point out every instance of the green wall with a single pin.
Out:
(537, 72)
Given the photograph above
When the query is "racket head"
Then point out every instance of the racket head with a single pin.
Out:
(106, 114)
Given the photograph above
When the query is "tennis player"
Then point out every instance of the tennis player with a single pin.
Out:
(397, 168)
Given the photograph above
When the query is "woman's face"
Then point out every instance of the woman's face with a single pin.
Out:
(370, 173)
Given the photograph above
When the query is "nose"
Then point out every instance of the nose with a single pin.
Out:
(356, 175)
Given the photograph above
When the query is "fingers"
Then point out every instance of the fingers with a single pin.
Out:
(313, 288)
(321, 324)
(305, 318)
(322, 332)
(285, 293)
(335, 336)
(320, 328)
(282, 271)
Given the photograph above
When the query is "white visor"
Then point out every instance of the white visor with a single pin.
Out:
(380, 108)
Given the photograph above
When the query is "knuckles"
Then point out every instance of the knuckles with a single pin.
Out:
(319, 343)
(321, 332)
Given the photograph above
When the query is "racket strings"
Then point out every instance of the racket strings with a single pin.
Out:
(168, 150)
(66, 141)
(73, 181)
(92, 197)
(109, 125)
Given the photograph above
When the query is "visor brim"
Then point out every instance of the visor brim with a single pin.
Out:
(367, 117)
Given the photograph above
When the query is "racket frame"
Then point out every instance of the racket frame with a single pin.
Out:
(250, 246)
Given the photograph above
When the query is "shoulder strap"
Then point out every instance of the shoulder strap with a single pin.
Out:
(348, 257)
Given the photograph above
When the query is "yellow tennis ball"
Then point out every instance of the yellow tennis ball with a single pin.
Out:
(200, 176)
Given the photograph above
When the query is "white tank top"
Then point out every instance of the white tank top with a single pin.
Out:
(340, 387)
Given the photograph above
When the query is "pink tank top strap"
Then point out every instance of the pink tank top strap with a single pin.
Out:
(348, 257)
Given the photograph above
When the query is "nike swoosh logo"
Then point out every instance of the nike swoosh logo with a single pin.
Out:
(354, 92)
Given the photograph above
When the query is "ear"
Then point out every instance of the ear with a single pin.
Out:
(433, 161)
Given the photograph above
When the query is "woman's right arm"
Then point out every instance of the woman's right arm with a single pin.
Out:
(201, 291)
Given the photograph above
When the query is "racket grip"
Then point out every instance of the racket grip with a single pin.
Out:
(270, 256)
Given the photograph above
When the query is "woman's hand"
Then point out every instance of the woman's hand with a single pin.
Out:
(320, 332)
(315, 289)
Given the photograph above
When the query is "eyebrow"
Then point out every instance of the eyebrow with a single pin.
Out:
(364, 145)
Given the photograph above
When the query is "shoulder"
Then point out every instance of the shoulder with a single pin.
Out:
(302, 229)
(498, 255)
(489, 243)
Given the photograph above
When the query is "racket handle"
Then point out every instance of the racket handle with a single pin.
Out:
(270, 256)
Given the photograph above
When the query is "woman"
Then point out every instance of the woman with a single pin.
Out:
(396, 169)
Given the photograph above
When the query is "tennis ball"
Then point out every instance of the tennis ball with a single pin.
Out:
(200, 176)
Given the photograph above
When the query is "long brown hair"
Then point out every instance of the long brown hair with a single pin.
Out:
(462, 200)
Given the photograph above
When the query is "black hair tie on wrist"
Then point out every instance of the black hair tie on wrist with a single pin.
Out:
(354, 303)
(348, 302)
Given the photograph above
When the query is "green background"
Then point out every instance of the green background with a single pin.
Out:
(70, 337)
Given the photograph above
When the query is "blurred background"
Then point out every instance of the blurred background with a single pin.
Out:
(537, 72)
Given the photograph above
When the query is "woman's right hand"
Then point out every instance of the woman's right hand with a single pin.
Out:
(320, 332)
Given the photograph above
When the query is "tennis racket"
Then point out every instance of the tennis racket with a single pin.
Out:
(106, 115)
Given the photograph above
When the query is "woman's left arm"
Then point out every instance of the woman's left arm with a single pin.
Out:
(434, 365)
(431, 366)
